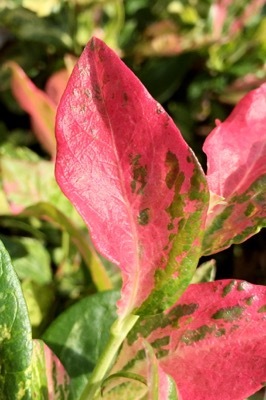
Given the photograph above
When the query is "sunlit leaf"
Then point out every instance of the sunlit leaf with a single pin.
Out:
(212, 342)
(236, 152)
(124, 165)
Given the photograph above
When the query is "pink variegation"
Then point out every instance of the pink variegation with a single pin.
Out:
(124, 165)
(48, 372)
(236, 154)
(212, 342)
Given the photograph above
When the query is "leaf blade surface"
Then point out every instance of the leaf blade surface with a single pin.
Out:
(236, 153)
(212, 342)
(124, 165)
(15, 335)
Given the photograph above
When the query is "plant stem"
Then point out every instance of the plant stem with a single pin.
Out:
(119, 331)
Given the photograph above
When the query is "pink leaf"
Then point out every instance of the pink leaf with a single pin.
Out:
(56, 85)
(125, 167)
(212, 342)
(35, 102)
(236, 152)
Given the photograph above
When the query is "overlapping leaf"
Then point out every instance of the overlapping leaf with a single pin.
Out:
(124, 165)
(236, 152)
(15, 335)
(212, 342)
(50, 381)
(78, 336)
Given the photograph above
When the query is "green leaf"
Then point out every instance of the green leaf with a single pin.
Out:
(40, 301)
(79, 335)
(15, 337)
(49, 378)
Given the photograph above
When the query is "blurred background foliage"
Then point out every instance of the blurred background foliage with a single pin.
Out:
(196, 57)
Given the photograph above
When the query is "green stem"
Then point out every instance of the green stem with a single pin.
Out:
(119, 331)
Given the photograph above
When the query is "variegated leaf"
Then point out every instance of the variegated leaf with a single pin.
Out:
(124, 165)
(212, 342)
(236, 152)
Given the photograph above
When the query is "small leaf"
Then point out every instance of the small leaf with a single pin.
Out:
(124, 165)
(205, 272)
(49, 378)
(212, 342)
(35, 102)
(79, 335)
(236, 152)
(15, 335)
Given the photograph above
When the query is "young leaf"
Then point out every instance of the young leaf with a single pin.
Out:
(35, 102)
(49, 378)
(124, 165)
(236, 151)
(212, 342)
(15, 335)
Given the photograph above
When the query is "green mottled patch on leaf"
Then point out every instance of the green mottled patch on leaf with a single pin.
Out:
(227, 289)
(229, 314)
(197, 182)
(249, 210)
(220, 332)
(139, 174)
(141, 355)
(145, 326)
(160, 342)
(262, 309)
(192, 336)
(249, 300)
(172, 163)
(240, 286)
(144, 217)
(244, 214)
(162, 353)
